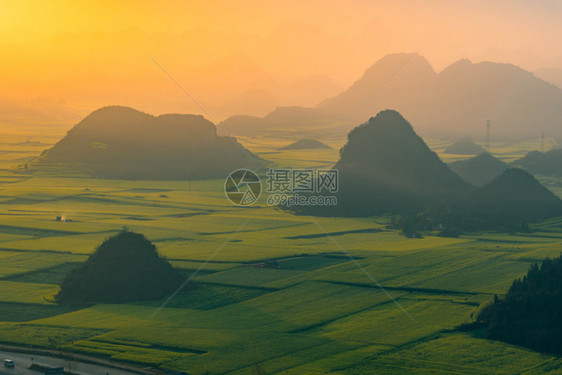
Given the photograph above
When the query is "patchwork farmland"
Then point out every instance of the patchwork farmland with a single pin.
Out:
(273, 291)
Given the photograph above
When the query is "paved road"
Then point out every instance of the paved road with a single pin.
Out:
(22, 361)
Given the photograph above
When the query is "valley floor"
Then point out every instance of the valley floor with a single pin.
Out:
(362, 300)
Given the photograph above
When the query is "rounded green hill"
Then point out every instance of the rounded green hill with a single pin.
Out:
(122, 143)
(124, 268)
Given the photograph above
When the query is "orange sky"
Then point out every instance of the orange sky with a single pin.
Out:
(246, 56)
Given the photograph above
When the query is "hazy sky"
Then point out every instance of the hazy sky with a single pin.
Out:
(231, 53)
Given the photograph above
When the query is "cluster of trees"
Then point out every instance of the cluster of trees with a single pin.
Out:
(530, 314)
(507, 204)
(451, 222)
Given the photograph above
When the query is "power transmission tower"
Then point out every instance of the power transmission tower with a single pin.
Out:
(542, 141)
(488, 135)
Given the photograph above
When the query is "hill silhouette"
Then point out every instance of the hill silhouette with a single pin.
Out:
(121, 142)
(465, 146)
(305, 143)
(282, 118)
(124, 268)
(456, 101)
(509, 203)
(401, 92)
(529, 314)
(480, 169)
(386, 167)
(513, 197)
(547, 163)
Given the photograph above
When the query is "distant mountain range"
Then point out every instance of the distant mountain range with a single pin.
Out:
(123, 143)
(281, 119)
(455, 101)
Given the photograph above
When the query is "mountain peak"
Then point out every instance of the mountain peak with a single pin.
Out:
(547, 163)
(394, 75)
(518, 194)
(114, 111)
(465, 146)
(458, 100)
(407, 64)
(386, 167)
(396, 60)
(387, 119)
(479, 170)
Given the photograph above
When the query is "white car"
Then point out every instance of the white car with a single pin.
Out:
(8, 363)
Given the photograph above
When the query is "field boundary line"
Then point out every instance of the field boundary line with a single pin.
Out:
(358, 265)
(310, 327)
(194, 274)
(408, 289)
(252, 287)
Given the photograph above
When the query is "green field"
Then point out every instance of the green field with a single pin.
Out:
(367, 300)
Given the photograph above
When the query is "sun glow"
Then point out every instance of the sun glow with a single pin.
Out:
(91, 53)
